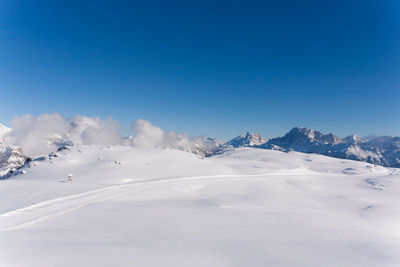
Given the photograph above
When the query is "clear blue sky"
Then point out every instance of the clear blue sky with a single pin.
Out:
(218, 68)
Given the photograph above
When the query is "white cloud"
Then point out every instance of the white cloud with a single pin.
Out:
(150, 136)
(45, 133)
(95, 131)
(33, 133)
(147, 135)
(40, 135)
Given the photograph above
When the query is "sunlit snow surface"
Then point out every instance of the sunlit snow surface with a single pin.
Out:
(123, 206)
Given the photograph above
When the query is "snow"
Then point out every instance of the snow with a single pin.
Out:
(127, 206)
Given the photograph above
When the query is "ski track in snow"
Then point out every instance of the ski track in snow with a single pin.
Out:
(49, 208)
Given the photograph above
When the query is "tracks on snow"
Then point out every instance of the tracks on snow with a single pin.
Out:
(43, 210)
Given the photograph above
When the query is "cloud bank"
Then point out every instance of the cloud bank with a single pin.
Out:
(45, 133)
(150, 136)
(38, 135)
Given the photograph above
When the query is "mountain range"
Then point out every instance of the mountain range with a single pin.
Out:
(381, 150)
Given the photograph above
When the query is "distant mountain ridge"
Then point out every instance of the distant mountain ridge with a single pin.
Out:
(247, 140)
(382, 150)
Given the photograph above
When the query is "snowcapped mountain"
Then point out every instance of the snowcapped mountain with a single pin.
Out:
(11, 159)
(353, 139)
(205, 147)
(301, 139)
(248, 140)
(381, 150)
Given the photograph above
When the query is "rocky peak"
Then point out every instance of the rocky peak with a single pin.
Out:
(248, 140)
(352, 139)
(254, 139)
(11, 159)
(301, 134)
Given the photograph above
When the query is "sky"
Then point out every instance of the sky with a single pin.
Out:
(218, 68)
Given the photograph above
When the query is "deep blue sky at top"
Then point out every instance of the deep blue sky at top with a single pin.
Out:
(206, 67)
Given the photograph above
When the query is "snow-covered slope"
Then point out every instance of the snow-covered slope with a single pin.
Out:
(125, 206)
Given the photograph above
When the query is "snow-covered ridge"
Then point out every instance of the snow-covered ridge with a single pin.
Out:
(37, 136)
(246, 141)
(382, 150)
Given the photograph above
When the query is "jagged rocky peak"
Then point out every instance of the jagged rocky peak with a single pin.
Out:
(353, 139)
(299, 133)
(302, 134)
(11, 159)
(254, 139)
(205, 146)
(331, 139)
(247, 140)
(382, 150)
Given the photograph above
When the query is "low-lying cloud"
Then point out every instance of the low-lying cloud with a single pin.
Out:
(95, 131)
(45, 133)
(38, 135)
(32, 133)
(150, 136)
(147, 135)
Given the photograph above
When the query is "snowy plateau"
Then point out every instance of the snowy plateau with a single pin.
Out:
(237, 205)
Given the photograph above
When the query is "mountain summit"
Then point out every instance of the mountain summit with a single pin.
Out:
(383, 150)
(300, 135)
(248, 140)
